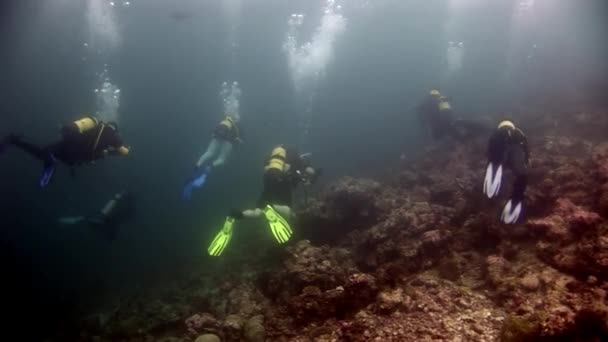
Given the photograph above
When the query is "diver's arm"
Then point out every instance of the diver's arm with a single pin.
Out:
(119, 151)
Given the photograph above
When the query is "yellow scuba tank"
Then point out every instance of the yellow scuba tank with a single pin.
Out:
(277, 159)
(85, 124)
(231, 126)
(80, 126)
(444, 105)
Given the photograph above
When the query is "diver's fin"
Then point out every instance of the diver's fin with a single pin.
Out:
(222, 238)
(492, 180)
(197, 181)
(278, 225)
(48, 171)
(511, 212)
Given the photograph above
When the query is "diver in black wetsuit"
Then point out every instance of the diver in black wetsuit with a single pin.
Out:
(285, 169)
(508, 147)
(436, 113)
(117, 210)
(82, 141)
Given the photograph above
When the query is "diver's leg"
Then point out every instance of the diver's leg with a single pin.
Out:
(518, 165)
(212, 150)
(253, 213)
(35, 151)
(514, 208)
(284, 210)
(224, 154)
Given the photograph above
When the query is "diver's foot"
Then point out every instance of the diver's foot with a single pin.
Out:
(14, 138)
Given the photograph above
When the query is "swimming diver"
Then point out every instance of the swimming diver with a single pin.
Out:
(284, 170)
(436, 113)
(117, 210)
(225, 134)
(507, 147)
(83, 141)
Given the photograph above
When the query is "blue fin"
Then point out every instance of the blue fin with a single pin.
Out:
(197, 182)
(48, 172)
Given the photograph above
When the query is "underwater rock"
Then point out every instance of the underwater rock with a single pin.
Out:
(530, 282)
(346, 205)
(361, 289)
(496, 269)
(207, 338)
(390, 300)
(521, 328)
(439, 312)
(244, 300)
(233, 328)
(574, 241)
(600, 158)
(254, 329)
(307, 265)
(204, 322)
(313, 304)
(173, 339)
(450, 268)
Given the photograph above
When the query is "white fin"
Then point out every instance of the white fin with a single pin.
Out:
(511, 214)
(491, 183)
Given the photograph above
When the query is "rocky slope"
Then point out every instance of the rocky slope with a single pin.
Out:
(419, 256)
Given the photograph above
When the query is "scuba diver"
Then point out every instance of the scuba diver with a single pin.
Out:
(225, 134)
(508, 147)
(284, 170)
(436, 113)
(83, 141)
(117, 210)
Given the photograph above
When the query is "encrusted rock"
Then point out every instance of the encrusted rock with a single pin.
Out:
(233, 327)
(390, 300)
(530, 282)
(254, 329)
(207, 338)
(201, 323)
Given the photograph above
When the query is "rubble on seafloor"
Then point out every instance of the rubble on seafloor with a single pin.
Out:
(421, 257)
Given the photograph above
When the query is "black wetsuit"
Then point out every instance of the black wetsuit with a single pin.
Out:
(279, 185)
(75, 148)
(509, 147)
(122, 210)
(443, 123)
(439, 122)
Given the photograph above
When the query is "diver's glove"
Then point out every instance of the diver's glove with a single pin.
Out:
(492, 180)
(512, 211)
(49, 170)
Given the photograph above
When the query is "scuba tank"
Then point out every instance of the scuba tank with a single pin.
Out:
(444, 105)
(80, 126)
(277, 160)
